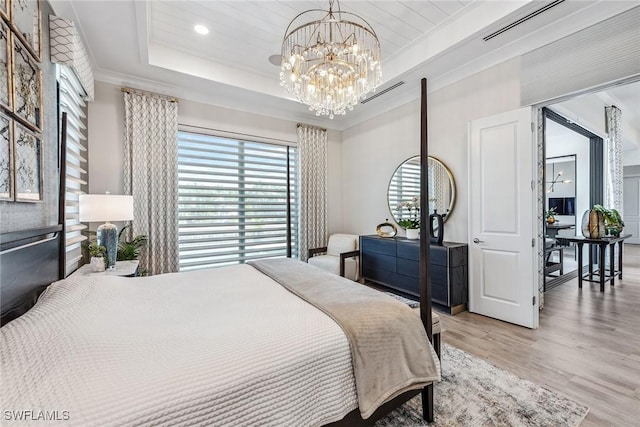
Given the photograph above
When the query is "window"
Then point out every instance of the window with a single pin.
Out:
(71, 102)
(237, 200)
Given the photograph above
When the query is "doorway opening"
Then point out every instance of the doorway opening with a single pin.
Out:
(574, 181)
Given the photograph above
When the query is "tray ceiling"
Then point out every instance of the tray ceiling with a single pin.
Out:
(152, 45)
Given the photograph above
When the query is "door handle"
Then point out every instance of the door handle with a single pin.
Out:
(476, 240)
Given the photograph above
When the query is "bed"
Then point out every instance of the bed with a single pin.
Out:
(242, 345)
(211, 347)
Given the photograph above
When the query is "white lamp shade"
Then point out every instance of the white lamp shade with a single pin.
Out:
(105, 207)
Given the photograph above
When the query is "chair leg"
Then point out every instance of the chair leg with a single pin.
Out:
(436, 345)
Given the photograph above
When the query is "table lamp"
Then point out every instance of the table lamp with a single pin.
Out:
(106, 207)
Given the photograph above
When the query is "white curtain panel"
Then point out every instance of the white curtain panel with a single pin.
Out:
(614, 199)
(312, 148)
(151, 176)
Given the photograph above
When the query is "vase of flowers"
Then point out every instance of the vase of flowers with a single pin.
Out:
(550, 215)
(409, 212)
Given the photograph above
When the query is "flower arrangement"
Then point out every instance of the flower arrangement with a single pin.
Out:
(550, 215)
(413, 220)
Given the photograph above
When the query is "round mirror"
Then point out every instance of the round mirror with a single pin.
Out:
(404, 189)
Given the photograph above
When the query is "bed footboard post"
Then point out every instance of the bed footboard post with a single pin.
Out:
(425, 277)
(427, 403)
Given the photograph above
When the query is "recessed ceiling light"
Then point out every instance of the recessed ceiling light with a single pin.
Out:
(201, 29)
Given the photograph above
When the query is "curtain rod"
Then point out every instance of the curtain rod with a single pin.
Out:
(311, 126)
(130, 90)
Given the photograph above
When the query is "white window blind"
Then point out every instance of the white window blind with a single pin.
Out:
(71, 102)
(237, 200)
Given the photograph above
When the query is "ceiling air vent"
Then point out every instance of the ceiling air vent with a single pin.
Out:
(523, 19)
(382, 92)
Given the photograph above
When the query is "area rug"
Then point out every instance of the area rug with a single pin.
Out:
(474, 392)
(411, 303)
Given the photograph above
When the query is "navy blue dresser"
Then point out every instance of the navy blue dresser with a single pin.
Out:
(394, 263)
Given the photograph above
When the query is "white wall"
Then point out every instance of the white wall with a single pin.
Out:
(106, 124)
(372, 150)
(573, 143)
(588, 112)
(631, 158)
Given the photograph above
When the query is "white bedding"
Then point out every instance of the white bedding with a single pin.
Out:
(144, 351)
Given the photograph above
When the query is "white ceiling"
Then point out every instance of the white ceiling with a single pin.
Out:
(151, 45)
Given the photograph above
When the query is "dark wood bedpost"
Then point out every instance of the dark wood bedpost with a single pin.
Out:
(425, 278)
(62, 263)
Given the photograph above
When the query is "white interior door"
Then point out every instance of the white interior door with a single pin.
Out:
(631, 203)
(502, 283)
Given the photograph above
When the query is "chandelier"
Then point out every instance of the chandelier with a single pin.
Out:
(557, 180)
(330, 62)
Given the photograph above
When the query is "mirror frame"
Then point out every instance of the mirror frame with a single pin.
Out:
(451, 181)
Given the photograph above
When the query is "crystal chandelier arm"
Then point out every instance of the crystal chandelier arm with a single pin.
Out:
(287, 33)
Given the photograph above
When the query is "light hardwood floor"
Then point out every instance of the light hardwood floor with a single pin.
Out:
(587, 346)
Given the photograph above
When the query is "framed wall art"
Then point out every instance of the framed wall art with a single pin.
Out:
(27, 86)
(27, 164)
(25, 16)
(5, 66)
(6, 158)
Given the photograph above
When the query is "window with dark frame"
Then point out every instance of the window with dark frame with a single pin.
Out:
(237, 200)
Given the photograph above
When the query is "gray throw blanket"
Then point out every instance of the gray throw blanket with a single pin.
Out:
(389, 347)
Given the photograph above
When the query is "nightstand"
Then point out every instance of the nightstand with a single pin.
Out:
(123, 268)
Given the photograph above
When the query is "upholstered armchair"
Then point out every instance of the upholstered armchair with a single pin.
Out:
(341, 256)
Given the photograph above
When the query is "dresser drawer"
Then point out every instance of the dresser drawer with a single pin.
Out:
(379, 261)
(383, 277)
(408, 267)
(379, 246)
(438, 255)
(440, 294)
(408, 250)
(439, 274)
(410, 285)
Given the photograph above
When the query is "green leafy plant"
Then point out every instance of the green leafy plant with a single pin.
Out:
(551, 213)
(130, 250)
(97, 251)
(612, 220)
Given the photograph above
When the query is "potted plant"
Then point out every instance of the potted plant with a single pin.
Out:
(130, 250)
(550, 215)
(411, 224)
(613, 222)
(98, 259)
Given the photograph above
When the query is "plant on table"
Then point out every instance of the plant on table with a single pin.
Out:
(130, 250)
(412, 221)
(550, 215)
(98, 255)
(613, 222)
